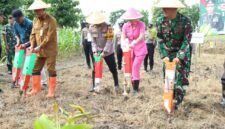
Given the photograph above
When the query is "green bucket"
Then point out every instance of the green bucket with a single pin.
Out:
(18, 59)
(29, 64)
(97, 58)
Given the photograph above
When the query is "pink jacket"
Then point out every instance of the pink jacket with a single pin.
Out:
(140, 48)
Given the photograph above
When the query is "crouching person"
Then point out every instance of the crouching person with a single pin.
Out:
(102, 44)
(43, 40)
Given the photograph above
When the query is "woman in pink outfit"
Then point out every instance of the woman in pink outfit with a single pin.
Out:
(134, 31)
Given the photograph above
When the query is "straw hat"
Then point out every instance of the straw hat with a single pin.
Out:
(97, 17)
(132, 14)
(170, 4)
(39, 4)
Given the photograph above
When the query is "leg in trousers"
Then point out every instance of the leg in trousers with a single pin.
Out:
(51, 63)
(86, 51)
(119, 54)
(90, 52)
(36, 77)
(151, 55)
(110, 61)
(146, 58)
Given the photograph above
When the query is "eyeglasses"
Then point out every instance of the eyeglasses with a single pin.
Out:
(10, 18)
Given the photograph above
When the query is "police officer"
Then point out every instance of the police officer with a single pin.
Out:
(102, 44)
(119, 51)
(86, 42)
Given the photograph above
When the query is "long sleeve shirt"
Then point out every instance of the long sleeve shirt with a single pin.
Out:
(44, 34)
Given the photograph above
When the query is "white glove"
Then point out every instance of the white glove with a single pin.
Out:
(133, 43)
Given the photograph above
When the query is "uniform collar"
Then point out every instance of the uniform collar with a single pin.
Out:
(44, 17)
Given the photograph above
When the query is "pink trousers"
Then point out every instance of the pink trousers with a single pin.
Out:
(136, 66)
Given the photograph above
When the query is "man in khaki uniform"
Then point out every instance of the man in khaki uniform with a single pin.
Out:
(44, 41)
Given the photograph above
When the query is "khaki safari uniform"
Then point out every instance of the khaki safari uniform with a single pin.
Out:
(44, 35)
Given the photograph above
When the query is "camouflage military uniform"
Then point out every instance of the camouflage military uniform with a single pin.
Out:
(11, 42)
(174, 41)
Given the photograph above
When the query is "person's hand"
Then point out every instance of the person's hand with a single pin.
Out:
(133, 43)
(166, 59)
(37, 49)
(102, 54)
(95, 53)
(176, 60)
(17, 42)
(23, 46)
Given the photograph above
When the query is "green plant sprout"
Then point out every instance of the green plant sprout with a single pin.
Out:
(64, 120)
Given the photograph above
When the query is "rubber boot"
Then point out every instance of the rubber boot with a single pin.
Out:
(178, 96)
(36, 85)
(51, 87)
(135, 87)
(9, 69)
(223, 94)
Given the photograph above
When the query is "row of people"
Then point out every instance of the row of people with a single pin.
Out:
(39, 35)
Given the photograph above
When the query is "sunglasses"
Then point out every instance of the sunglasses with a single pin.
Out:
(10, 18)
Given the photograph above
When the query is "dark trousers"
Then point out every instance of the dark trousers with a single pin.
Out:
(0, 49)
(149, 56)
(88, 52)
(111, 62)
(119, 53)
(223, 82)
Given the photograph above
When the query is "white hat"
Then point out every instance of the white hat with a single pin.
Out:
(170, 4)
(39, 4)
(96, 18)
(132, 14)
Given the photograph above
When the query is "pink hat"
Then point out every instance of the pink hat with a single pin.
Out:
(132, 14)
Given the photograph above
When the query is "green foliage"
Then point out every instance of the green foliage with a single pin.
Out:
(193, 13)
(114, 16)
(66, 12)
(157, 12)
(145, 13)
(64, 120)
(69, 41)
(207, 30)
(6, 7)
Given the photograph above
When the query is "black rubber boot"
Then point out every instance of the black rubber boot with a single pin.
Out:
(135, 87)
(9, 69)
(178, 96)
(223, 91)
(223, 95)
(116, 80)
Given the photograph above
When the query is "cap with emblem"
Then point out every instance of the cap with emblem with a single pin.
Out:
(39, 4)
(132, 14)
(96, 18)
(170, 4)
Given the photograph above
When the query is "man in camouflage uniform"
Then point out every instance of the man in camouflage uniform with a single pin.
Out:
(10, 42)
(174, 33)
